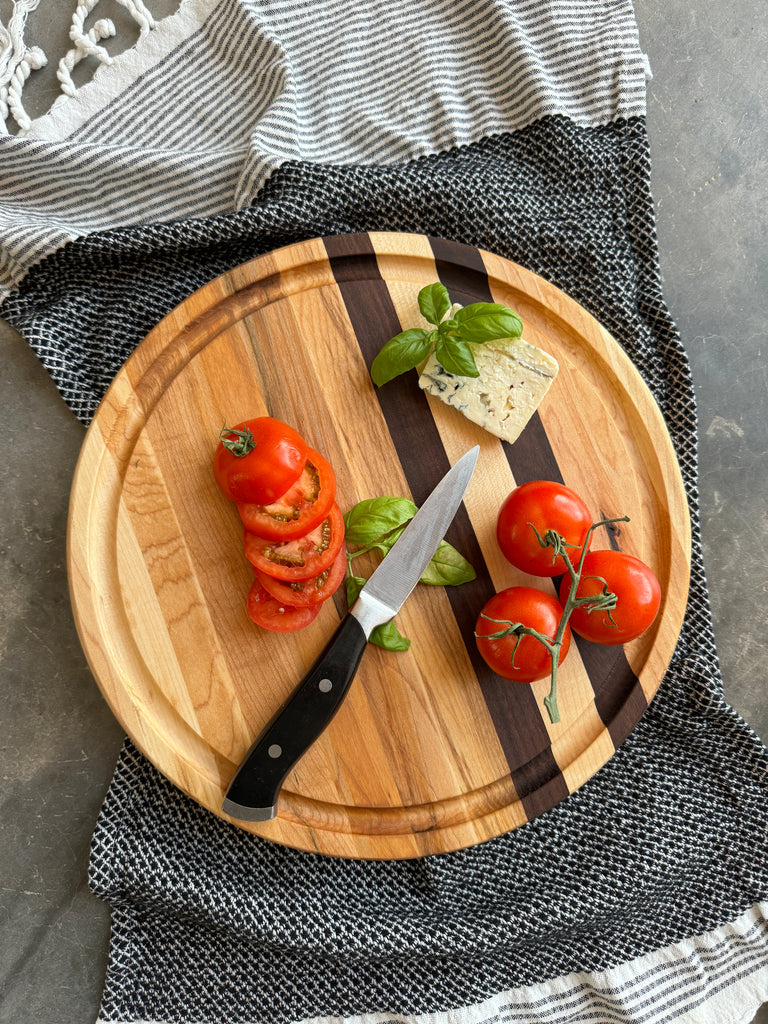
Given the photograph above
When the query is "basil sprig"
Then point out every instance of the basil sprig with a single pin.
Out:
(374, 525)
(451, 336)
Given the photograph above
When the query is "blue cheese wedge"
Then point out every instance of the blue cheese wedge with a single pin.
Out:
(514, 378)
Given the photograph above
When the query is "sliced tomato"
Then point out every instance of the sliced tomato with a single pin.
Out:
(302, 507)
(258, 460)
(307, 593)
(301, 557)
(270, 614)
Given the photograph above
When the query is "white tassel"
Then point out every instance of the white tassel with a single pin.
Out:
(140, 14)
(86, 44)
(17, 62)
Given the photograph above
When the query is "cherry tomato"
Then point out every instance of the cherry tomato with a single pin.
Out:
(301, 557)
(638, 596)
(270, 614)
(545, 505)
(532, 608)
(301, 508)
(307, 593)
(258, 460)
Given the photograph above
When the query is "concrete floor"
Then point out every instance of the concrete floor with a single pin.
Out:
(58, 744)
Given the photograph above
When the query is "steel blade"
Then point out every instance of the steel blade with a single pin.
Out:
(400, 571)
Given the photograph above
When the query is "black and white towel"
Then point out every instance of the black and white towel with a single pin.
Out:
(234, 127)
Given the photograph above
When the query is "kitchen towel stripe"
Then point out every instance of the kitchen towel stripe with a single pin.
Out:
(228, 91)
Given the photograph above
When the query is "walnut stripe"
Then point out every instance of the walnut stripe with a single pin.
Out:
(513, 710)
(619, 698)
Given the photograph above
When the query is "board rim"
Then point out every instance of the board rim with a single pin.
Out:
(294, 828)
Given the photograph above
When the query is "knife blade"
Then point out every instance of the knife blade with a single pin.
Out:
(252, 794)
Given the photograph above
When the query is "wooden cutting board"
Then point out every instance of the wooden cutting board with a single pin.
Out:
(431, 752)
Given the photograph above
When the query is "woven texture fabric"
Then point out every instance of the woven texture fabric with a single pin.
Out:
(221, 93)
(213, 924)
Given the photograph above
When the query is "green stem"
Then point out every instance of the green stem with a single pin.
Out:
(238, 442)
(604, 601)
(550, 701)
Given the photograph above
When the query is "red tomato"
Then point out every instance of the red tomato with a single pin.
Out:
(301, 557)
(544, 505)
(307, 593)
(302, 507)
(532, 608)
(270, 614)
(638, 596)
(258, 460)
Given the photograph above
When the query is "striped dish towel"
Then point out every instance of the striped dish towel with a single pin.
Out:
(518, 127)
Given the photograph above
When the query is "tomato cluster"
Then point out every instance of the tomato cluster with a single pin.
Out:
(285, 494)
(607, 597)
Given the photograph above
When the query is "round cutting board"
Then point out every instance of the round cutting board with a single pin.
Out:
(431, 751)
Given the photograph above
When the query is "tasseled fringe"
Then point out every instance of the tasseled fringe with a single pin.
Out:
(18, 60)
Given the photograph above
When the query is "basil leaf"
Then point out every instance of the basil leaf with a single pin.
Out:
(487, 321)
(370, 520)
(353, 585)
(389, 637)
(386, 544)
(456, 356)
(434, 302)
(448, 567)
(401, 353)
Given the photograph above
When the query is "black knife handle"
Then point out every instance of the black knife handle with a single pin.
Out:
(252, 794)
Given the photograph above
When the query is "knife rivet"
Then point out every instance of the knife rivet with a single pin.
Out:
(325, 685)
(275, 750)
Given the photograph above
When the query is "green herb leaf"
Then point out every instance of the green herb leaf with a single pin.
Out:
(372, 519)
(400, 354)
(389, 637)
(487, 321)
(474, 324)
(353, 586)
(448, 568)
(456, 356)
(434, 302)
(376, 524)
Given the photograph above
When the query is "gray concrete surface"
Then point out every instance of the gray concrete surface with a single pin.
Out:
(58, 742)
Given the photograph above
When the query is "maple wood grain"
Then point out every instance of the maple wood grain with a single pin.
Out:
(430, 752)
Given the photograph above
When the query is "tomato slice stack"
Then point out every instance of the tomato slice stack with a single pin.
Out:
(294, 539)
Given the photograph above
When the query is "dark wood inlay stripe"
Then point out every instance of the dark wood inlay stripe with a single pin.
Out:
(619, 698)
(512, 709)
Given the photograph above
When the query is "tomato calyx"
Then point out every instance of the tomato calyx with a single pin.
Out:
(237, 442)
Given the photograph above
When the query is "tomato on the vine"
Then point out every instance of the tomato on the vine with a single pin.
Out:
(300, 557)
(530, 659)
(545, 505)
(275, 616)
(638, 596)
(258, 460)
(306, 593)
(299, 509)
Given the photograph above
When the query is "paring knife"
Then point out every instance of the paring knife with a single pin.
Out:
(252, 795)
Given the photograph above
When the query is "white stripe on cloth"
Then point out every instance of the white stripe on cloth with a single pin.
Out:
(720, 977)
(193, 120)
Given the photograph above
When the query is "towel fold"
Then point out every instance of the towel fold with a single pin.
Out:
(641, 897)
